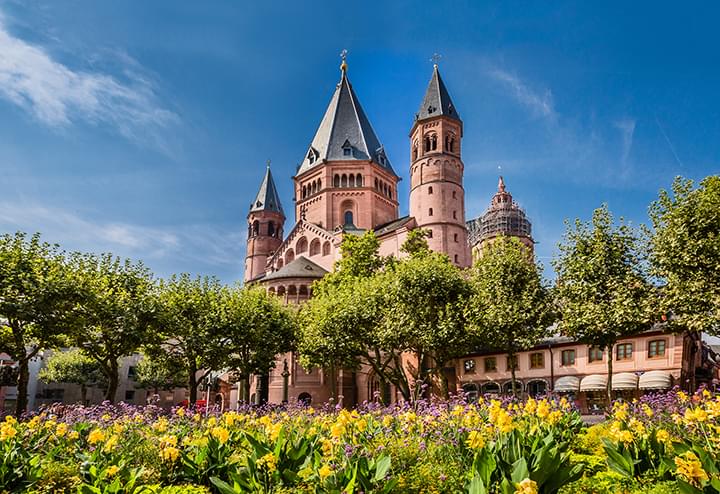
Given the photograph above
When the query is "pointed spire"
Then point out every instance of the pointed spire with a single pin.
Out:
(501, 184)
(267, 198)
(345, 133)
(437, 99)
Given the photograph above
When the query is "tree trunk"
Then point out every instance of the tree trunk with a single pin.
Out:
(513, 366)
(246, 388)
(192, 382)
(22, 387)
(608, 389)
(333, 383)
(113, 379)
(83, 394)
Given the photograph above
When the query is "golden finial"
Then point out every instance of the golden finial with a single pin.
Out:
(343, 56)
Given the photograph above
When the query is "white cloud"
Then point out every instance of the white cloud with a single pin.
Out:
(185, 247)
(59, 96)
(626, 126)
(539, 104)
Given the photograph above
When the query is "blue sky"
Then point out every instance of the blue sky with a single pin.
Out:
(142, 128)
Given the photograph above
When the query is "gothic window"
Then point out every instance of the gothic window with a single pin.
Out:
(351, 181)
(312, 156)
(430, 212)
(348, 218)
(359, 180)
(302, 245)
(315, 247)
(336, 180)
(430, 190)
(256, 228)
(344, 181)
(271, 229)
(326, 248)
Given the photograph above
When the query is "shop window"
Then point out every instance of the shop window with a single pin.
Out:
(490, 364)
(656, 348)
(624, 351)
(537, 360)
(568, 357)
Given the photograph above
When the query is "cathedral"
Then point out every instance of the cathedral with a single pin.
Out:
(346, 184)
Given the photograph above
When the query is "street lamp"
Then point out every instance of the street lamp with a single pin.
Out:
(285, 375)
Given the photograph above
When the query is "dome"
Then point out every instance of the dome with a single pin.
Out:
(504, 217)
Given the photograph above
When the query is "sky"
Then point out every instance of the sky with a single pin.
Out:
(143, 128)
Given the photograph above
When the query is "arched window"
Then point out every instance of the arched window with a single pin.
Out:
(301, 245)
(433, 142)
(451, 148)
(314, 187)
(281, 290)
(358, 180)
(351, 182)
(426, 147)
(289, 256)
(256, 228)
(455, 237)
(430, 190)
(249, 230)
(430, 211)
(385, 189)
(390, 192)
(271, 229)
(348, 218)
(336, 180)
(292, 290)
(315, 247)
(280, 263)
(303, 291)
(319, 182)
(414, 153)
(377, 185)
(271, 290)
(447, 143)
(343, 181)
(326, 248)
(454, 215)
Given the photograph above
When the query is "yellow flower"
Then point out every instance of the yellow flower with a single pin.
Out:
(274, 431)
(161, 424)
(648, 411)
(543, 409)
(7, 431)
(554, 417)
(10, 419)
(211, 421)
(73, 435)
(325, 471)
(111, 443)
(337, 429)
(34, 422)
(690, 469)
(695, 415)
(387, 420)
(527, 486)
(112, 470)
(197, 417)
(269, 462)
(662, 435)
(475, 440)
(361, 425)
(682, 396)
(170, 454)
(106, 417)
(180, 412)
(220, 433)
(61, 429)
(327, 447)
(96, 436)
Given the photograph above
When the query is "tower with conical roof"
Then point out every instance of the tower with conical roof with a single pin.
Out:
(345, 179)
(265, 227)
(437, 196)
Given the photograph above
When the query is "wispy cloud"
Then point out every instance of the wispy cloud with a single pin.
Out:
(539, 103)
(58, 96)
(184, 245)
(626, 126)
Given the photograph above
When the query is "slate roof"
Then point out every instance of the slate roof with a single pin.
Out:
(393, 225)
(344, 126)
(437, 100)
(267, 198)
(302, 267)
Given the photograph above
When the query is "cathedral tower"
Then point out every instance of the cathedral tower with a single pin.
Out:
(265, 227)
(437, 197)
(345, 178)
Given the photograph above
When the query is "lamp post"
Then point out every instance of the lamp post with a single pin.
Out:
(285, 375)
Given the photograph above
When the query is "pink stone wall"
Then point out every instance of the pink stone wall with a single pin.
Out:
(261, 245)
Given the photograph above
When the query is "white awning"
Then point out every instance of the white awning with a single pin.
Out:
(594, 382)
(656, 380)
(567, 384)
(624, 380)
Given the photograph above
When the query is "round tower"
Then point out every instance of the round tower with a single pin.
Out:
(265, 227)
(437, 196)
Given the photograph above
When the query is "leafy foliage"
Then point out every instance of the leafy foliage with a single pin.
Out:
(73, 367)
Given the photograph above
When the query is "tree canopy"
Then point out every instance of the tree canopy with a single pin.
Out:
(73, 367)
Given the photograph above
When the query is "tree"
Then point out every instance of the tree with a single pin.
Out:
(36, 297)
(685, 253)
(115, 311)
(157, 375)
(188, 328)
(73, 367)
(602, 287)
(255, 327)
(423, 311)
(510, 307)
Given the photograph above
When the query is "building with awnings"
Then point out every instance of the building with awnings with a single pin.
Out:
(649, 362)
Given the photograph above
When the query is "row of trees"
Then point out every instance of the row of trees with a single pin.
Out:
(612, 281)
(108, 308)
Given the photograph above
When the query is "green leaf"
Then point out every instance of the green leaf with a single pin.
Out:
(382, 466)
(476, 486)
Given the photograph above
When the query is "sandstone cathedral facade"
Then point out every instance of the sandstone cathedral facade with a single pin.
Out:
(346, 184)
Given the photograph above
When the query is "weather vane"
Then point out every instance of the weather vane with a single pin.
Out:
(435, 59)
(343, 54)
(268, 163)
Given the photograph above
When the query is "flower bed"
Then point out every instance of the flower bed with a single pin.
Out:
(660, 444)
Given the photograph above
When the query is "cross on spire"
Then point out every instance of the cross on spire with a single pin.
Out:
(343, 57)
(268, 163)
(435, 59)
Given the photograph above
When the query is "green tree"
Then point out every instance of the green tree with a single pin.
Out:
(156, 375)
(510, 306)
(685, 253)
(188, 328)
(423, 312)
(115, 311)
(256, 327)
(36, 297)
(73, 367)
(602, 287)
